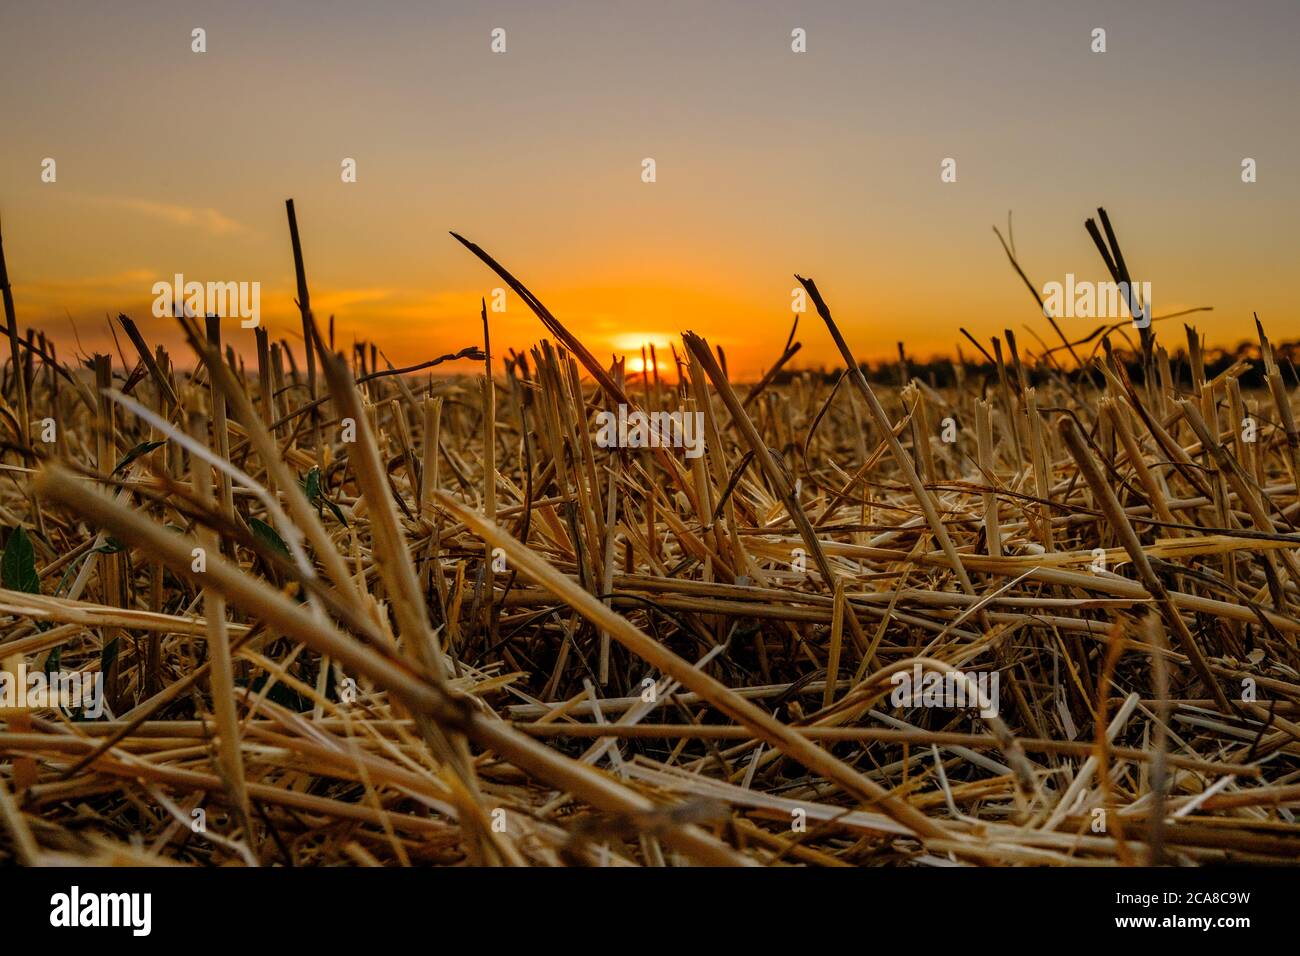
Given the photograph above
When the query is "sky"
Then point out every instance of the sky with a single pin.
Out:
(768, 163)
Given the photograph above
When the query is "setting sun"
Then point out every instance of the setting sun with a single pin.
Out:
(636, 348)
(630, 342)
(638, 365)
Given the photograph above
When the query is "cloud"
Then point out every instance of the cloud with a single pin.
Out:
(207, 219)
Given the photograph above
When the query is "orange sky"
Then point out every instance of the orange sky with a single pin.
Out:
(769, 163)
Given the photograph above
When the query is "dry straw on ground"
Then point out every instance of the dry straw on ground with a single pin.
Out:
(435, 623)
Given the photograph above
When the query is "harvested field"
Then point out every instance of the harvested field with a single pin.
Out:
(346, 614)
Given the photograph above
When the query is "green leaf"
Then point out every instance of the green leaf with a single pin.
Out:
(110, 546)
(141, 449)
(268, 536)
(337, 513)
(68, 572)
(18, 567)
(311, 485)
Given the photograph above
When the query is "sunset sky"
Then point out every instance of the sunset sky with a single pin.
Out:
(769, 162)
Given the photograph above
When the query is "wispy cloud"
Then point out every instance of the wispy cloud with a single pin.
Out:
(206, 219)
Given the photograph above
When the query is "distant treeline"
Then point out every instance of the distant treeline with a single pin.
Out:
(941, 373)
